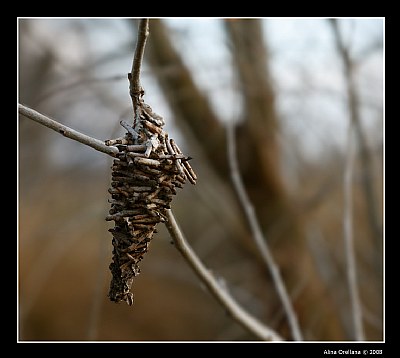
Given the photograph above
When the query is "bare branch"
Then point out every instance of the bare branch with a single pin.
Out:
(134, 78)
(258, 235)
(66, 131)
(359, 132)
(233, 308)
(348, 237)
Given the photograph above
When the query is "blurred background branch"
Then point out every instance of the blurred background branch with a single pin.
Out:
(354, 126)
(349, 70)
(258, 236)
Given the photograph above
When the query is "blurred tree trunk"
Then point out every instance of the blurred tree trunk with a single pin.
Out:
(189, 104)
(257, 140)
(259, 159)
(260, 165)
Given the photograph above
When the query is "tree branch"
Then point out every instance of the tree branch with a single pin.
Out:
(134, 80)
(66, 131)
(233, 308)
(359, 132)
(135, 89)
(348, 235)
(258, 235)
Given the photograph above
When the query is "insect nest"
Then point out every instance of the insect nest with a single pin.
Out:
(145, 174)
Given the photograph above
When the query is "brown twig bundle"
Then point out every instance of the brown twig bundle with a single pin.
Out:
(145, 174)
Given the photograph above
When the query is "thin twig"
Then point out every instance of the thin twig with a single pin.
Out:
(258, 235)
(348, 236)
(220, 293)
(134, 79)
(135, 89)
(66, 131)
(359, 132)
